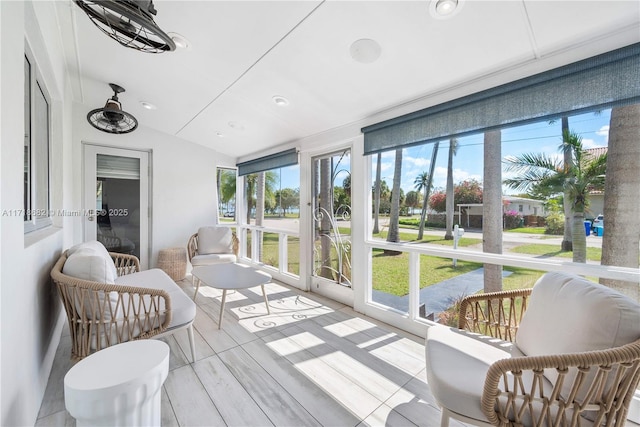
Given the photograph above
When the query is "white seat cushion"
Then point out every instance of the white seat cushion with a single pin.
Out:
(182, 307)
(457, 365)
(215, 240)
(209, 259)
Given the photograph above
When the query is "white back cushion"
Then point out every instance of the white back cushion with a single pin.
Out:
(215, 240)
(90, 261)
(92, 244)
(569, 314)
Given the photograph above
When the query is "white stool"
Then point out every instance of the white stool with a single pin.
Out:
(118, 386)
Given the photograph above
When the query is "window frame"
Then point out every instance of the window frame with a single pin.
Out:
(221, 215)
(37, 161)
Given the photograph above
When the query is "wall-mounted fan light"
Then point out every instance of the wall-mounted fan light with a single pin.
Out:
(130, 22)
(111, 118)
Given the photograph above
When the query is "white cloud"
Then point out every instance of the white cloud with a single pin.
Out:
(603, 131)
(419, 162)
(588, 143)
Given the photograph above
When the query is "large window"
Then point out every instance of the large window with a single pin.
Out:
(423, 172)
(273, 204)
(36, 212)
(564, 141)
(226, 185)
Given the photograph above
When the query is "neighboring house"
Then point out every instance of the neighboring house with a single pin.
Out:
(524, 206)
(471, 213)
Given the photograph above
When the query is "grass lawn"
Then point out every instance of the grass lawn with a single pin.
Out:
(427, 238)
(527, 230)
(391, 272)
(593, 254)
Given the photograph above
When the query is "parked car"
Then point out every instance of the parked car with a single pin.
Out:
(230, 214)
(598, 222)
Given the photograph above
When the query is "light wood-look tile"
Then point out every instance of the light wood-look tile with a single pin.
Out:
(227, 393)
(379, 378)
(322, 406)
(167, 416)
(53, 400)
(216, 338)
(385, 416)
(281, 408)
(177, 358)
(57, 419)
(189, 399)
(312, 362)
(203, 350)
(342, 389)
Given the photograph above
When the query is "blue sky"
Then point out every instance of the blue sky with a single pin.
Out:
(539, 137)
(468, 163)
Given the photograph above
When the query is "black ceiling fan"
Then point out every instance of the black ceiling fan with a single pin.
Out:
(129, 22)
(111, 118)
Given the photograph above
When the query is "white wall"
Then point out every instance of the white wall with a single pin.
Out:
(183, 198)
(183, 193)
(30, 309)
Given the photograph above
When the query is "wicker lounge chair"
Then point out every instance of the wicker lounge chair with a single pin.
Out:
(111, 301)
(212, 245)
(574, 360)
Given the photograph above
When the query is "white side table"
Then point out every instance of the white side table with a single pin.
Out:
(119, 385)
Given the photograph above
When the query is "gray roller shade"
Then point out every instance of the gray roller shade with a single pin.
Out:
(272, 161)
(604, 81)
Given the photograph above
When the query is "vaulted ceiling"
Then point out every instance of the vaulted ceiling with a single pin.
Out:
(219, 91)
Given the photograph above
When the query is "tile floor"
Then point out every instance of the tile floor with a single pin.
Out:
(312, 362)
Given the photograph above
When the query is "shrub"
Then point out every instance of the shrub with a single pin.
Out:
(449, 317)
(512, 219)
(554, 223)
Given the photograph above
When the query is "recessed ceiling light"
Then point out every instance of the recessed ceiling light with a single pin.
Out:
(180, 41)
(365, 51)
(280, 101)
(444, 9)
(148, 105)
(236, 125)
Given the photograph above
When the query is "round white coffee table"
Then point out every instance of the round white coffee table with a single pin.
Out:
(228, 276)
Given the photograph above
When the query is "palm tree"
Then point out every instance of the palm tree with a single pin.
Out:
(567, 239)
(450, 205)
(394, 215)
(492, 208)
(251, 185)
(260, 199)
(227, 188)
(326, 216)
(376, 197)
(583, 174)
(423, 181)
(420, 184)
(620, 242)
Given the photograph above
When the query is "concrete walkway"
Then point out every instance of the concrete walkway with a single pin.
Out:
(440, 296)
